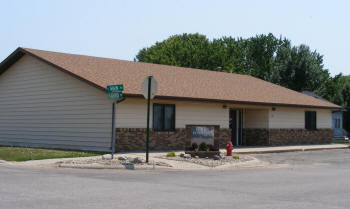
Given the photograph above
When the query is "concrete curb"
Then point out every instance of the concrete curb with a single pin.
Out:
(289, 150)
(118, 166)
(80, 166)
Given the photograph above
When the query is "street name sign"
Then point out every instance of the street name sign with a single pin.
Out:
(115, 95)
(115, 88)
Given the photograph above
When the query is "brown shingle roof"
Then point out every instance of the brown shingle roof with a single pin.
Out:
(173, 82)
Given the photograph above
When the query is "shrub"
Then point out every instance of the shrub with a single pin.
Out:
(170, 154)
(212, 147)
(236, 157)
(203, 147)
(194, 146)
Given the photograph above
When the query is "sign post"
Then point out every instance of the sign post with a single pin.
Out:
(149, 90)
(115, 93)
(113, 126)
(148, 104)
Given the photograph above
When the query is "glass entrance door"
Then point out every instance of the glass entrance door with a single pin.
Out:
(236, 125)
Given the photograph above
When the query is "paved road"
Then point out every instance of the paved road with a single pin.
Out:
(314, 179)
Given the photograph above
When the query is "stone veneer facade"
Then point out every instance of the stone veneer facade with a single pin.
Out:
(133, 139)
(300, 136)
(256, 137)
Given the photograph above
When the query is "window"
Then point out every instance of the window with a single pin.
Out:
(337, 123)
(163, 117)
(310, 120)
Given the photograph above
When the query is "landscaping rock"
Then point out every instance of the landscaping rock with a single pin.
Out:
(122, 158)
(2, 161)
(216, 157)
(196, 156)
(136, 160)
(187, 156)
(106, 157)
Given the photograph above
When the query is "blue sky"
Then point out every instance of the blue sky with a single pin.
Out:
(119, 29)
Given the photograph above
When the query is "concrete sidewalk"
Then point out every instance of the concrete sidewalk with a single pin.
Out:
(291, 148)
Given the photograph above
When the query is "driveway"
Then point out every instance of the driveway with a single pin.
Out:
(312, 179)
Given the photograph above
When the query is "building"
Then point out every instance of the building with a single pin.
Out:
(58, 100)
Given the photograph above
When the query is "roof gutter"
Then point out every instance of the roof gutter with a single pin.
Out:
(232, 101)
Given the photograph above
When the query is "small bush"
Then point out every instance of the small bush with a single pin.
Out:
(212, 147)
(236, 157)
(170, 154)
(203, 147)
(194, 146)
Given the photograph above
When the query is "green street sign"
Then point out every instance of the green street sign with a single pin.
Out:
(115, 88)
(115, 95)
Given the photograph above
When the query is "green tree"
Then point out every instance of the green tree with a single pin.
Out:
(227, 53)
(300, 68)
(332, 89)
(186, 50)
(260, 55)
(346, 97)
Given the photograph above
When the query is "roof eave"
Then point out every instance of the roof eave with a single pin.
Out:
(11, 59)
(233, 101)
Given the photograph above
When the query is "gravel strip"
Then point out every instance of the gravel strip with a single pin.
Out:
(100, 163)
(210, 162)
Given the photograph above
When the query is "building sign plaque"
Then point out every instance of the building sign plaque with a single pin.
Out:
(199, 134)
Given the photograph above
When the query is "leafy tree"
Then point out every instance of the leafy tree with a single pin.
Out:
(332, 89)
(186, 50)
(261, 54)
(346, 97)
(227, 53)
(301, 69)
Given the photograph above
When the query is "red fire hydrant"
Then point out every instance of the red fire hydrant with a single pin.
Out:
(229, 148)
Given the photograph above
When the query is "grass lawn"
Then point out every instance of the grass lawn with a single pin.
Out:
(24, 154)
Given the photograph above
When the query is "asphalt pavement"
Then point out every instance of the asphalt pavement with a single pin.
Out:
(311, 179)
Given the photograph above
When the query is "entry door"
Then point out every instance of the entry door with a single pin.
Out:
(236, 119)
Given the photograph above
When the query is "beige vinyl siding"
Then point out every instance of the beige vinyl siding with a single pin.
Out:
(256, 118)
(41, 106)
(193, 113)
(284, 117)
(131, 113)
(324, 118)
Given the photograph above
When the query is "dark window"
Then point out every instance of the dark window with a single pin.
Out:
(310, 120)
(337, 123)
(163, 117)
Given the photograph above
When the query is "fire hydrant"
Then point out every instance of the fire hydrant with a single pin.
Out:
(229, 148)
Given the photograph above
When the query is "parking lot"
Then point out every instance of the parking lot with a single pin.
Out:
(311, 179)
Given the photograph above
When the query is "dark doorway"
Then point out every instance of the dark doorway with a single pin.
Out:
(236, 123)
